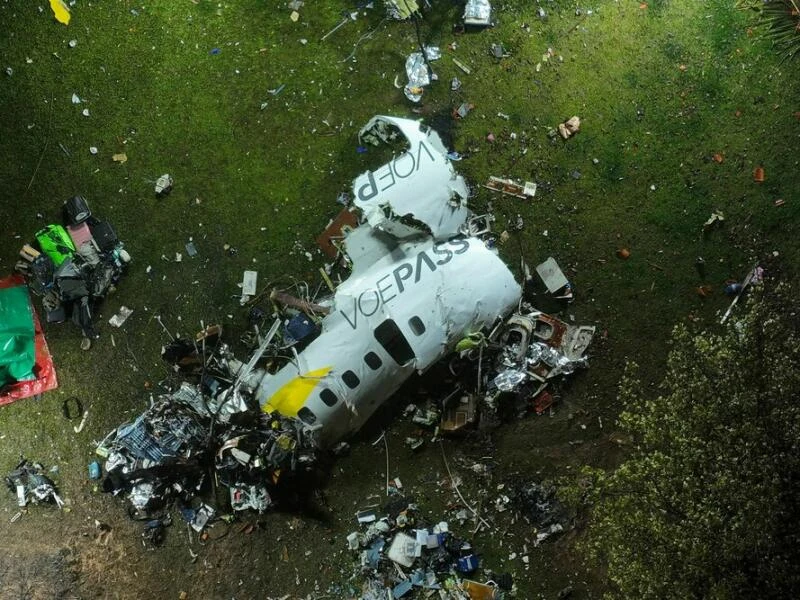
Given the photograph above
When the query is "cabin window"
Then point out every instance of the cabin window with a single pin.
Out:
(306, 416)
(417, 326)
(328, 397)
(351, 379)
(373, 361)
(394, 342)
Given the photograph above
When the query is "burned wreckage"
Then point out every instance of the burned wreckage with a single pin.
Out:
(422, 285)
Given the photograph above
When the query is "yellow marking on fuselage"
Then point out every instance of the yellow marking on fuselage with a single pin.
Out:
(292, 395)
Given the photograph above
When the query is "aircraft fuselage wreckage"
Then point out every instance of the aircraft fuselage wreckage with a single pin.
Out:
(414, 291)
(422, 284)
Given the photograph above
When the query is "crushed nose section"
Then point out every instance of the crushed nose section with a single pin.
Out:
(416, 190)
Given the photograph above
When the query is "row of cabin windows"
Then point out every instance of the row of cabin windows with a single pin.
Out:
(389, 336)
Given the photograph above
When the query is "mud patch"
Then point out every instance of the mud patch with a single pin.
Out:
(33, 575)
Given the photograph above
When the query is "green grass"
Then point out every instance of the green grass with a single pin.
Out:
(266, 179)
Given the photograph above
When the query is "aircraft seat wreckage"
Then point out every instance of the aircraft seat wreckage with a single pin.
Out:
(423, 286)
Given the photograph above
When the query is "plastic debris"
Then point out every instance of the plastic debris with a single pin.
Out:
(552, 276)
(569, 127)
(122, 315)
(121, 158)
(164, 185)
(249, 283)
(716, 218)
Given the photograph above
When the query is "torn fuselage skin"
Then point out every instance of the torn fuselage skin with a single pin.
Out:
(420, 183)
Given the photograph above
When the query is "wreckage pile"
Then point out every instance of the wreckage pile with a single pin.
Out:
(72, 267)
(402, 557)
(508, 373)
(207, 428)
(30, 484)
(425, 281)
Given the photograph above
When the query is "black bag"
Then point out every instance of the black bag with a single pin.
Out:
(100, 278)
(41, 274)
(76, 210)
(71, 282)
(57, 315)
(104, 235)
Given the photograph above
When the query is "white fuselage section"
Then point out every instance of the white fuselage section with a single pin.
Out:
(400, 314)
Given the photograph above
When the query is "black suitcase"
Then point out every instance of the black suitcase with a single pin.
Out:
(76, 210)
(104, 235)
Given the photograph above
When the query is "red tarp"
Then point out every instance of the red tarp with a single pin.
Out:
(44, 370)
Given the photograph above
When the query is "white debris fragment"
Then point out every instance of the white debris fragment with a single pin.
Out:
(118, 319)
(249, 283)
(164, 184)
(76, 99)
(79, 427)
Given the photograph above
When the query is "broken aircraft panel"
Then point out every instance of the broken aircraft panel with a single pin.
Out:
(420, 184)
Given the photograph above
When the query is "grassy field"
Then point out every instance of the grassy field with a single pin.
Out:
(183, 87)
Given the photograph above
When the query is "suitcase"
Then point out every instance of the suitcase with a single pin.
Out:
(76, 210)
(104, 236)
(56, 243)
(80, 234)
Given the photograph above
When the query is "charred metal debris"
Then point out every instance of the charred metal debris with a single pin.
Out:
(208, 432)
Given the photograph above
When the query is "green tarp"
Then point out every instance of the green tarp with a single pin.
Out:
(17, 352)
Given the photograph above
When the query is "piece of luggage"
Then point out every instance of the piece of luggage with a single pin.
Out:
(57, 315)
(104, 236)
(100, 277)
(80, 234)
(71, 282)
(76, 210)
(56, 243)
(41, 272)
